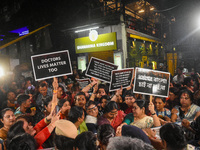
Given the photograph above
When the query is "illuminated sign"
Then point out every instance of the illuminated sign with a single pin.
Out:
(103, 42)
(93, 35)
(21, 31)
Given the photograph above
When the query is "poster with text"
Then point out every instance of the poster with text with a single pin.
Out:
(151, 82)
(100, 69)
(83, 82)
(51, 65)
(121, 78)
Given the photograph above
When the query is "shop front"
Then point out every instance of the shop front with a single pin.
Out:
(100, 44)
(144, 51)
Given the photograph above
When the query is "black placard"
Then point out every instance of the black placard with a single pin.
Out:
(100, 69)
(51, 65)
(83, 82)
(151, 82)
(121, 78)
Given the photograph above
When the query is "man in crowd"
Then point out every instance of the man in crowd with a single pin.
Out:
(24, 103)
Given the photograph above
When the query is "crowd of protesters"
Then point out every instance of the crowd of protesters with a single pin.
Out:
(57, 114)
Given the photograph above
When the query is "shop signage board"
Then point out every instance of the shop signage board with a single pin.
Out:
(121, 78)
(83, 82)
(104, 42)
(151, 82)
(51, 65)
(100, 69)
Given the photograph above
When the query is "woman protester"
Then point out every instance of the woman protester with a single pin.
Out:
(91, 117)
(187, 110)
(8, 119)
(163, 113)
(139, 119)
(64, 106)
(41, 131)
(172, 137)
(111, 115)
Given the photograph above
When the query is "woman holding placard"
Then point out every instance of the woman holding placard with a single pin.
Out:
(139, 118)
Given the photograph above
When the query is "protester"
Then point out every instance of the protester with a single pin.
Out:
(173, 98)
(139, 118)
(65, 134)
(86, 141)
(64, 106)
(8, 119)
(187, 110)
(41, 131)
(24, 103)
(91, 117)
(162, 112)
(11, 101)
(102, 104)
(80, 100)
(172, 137)
(47, 106)
(111, 115)
(104, 133)
(77, 116)
(22, 141)
(179, 78)
(129, 100)
(44, 92)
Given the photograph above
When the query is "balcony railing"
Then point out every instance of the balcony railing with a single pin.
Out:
(132, 19)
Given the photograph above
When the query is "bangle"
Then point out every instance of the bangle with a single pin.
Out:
(54, 91)
(47, 121)
(153, 114)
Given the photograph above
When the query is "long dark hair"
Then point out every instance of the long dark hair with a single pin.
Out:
(110, 106)
(22, 141)
(16, 128)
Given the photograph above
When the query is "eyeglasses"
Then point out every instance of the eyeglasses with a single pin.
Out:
(93, 109)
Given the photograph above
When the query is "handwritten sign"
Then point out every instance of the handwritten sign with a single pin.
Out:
(121, 78)
(51, 65)
(100, 69)
(151, 82)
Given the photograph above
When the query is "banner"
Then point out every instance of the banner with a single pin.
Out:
(151, 82)
(121, 78)
(100, 69)
(51, 65)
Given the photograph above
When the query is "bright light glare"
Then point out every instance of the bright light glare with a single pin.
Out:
(141, 11)
(152, 8)
(93, 28)
(1, 72)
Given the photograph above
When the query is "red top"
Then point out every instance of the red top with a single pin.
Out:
(42, 133)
